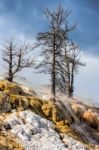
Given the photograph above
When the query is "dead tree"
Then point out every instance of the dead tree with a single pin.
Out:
(71, 62)
(16, 57)
(52, 43)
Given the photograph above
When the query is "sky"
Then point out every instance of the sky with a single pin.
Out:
(23, 19)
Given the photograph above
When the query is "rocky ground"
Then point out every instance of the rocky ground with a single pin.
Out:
(30, 123)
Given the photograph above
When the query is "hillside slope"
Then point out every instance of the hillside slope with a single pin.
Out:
(43, 124)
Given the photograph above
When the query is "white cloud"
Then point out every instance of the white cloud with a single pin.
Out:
(87, 81)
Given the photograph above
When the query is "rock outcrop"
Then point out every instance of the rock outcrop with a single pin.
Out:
(15, 88)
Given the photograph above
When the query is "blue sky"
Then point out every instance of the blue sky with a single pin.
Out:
(25, 18)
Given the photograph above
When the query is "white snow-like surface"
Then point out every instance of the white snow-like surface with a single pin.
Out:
(37, 133)
(73, 144)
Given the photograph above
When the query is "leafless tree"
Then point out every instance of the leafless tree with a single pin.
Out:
(52, 43)
(70, 64)
(16, 57)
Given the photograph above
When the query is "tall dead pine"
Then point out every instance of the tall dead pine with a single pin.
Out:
(52, 43)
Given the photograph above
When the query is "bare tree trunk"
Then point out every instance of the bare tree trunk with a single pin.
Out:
(53, 70)
(72, 82)
(68, 78)
(10, 77)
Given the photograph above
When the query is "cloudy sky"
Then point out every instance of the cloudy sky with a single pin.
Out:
(23, 19)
